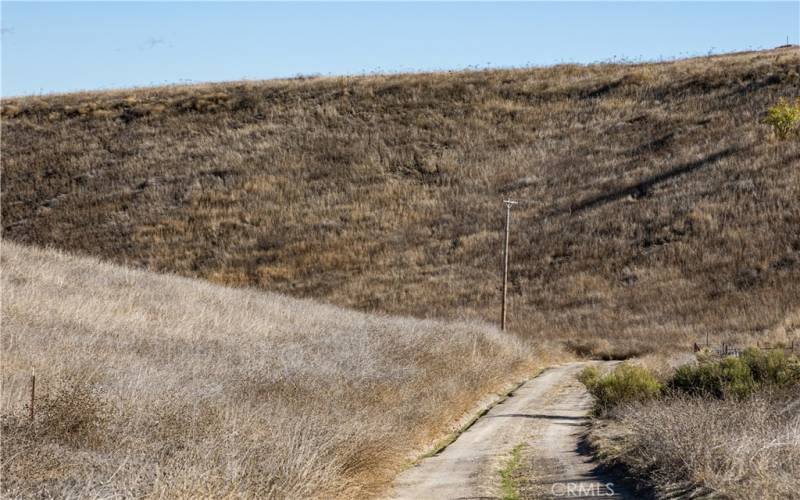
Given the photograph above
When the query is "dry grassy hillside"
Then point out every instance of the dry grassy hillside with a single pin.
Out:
(155, 386)
(657, 206)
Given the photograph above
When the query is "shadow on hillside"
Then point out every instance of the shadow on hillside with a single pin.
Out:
(642, 189)
(603, 89)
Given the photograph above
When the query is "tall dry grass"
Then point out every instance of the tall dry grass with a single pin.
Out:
(726, 428)
(658, 205)
(746, 449)
(159, 386)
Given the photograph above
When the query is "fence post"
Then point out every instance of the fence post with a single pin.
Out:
(33, 391)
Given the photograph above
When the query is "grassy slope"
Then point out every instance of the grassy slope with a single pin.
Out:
(158, 386)
(657, 208)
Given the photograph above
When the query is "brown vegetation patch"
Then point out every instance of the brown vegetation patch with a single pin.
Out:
(657, 206)
(684, 446)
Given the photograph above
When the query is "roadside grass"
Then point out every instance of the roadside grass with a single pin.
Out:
(508, 474)
(451, 437)
(155, 385)
(743, 449)
(729, 427)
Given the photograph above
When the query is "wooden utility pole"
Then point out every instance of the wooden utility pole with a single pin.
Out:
(509, 204)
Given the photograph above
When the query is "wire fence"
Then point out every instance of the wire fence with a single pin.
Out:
(724, 349)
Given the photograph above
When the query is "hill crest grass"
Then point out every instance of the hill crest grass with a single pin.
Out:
(657, 205)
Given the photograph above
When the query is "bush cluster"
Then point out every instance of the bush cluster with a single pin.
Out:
(737, 377)
(784, 118)
(727, 378)
(625, 384)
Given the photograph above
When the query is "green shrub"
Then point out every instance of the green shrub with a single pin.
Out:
(784, 118)
(625, 384)
(702, 379)
(773, 367)
(589, 375)
(720, 379)
(737, 377)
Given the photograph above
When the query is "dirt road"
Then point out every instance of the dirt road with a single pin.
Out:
(547, 415)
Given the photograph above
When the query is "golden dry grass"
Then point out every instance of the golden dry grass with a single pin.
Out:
(157, 386)
(658, 206)
(683, 446)
(695, 441)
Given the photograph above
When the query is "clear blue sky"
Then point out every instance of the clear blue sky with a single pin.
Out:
(57, 47)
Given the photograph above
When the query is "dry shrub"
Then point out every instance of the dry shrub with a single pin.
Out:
(729, 427)
(599, 348)
(9, 111)
(102, 114)
(76, 415)
(747, 449)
